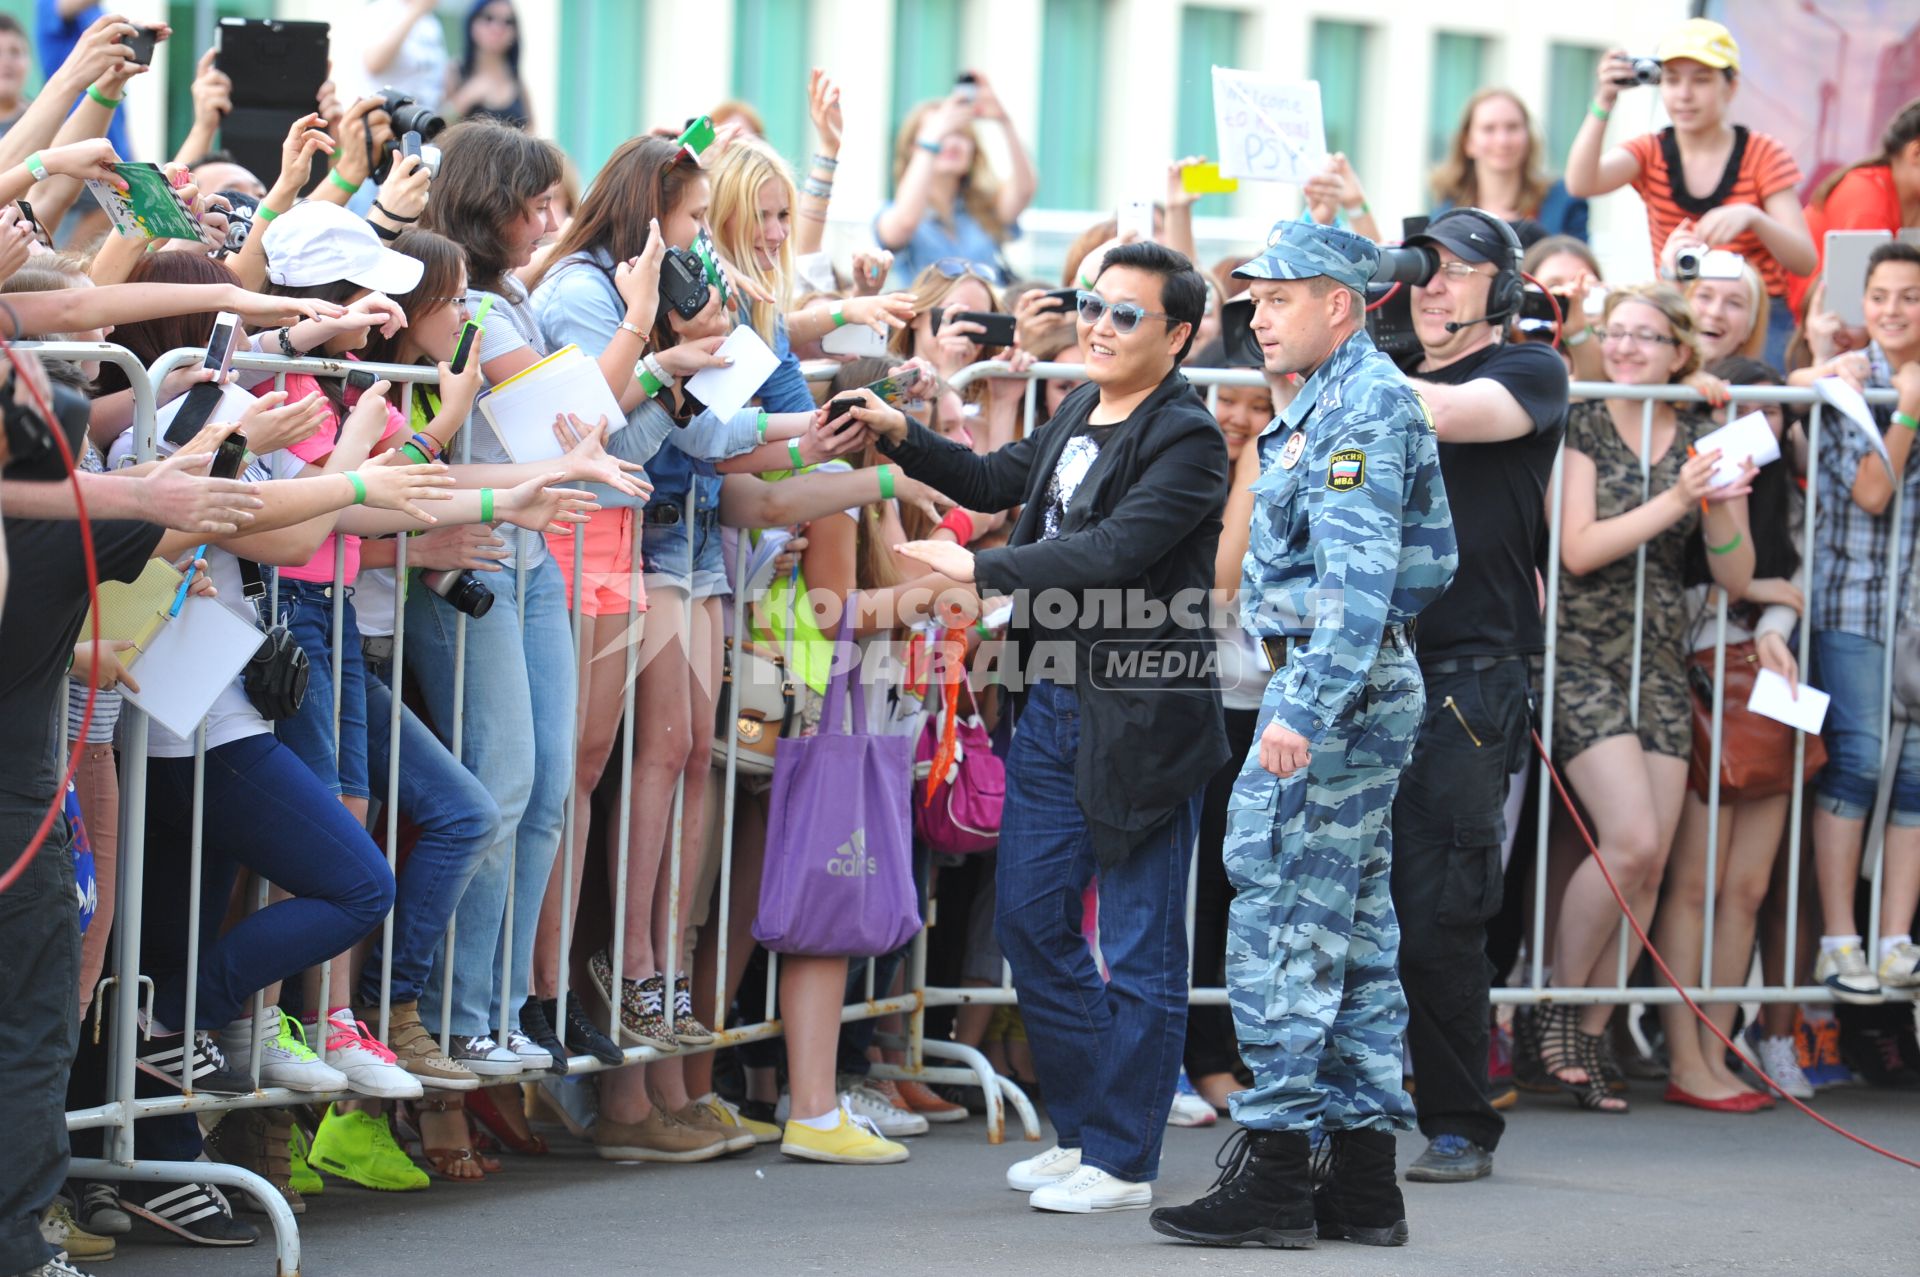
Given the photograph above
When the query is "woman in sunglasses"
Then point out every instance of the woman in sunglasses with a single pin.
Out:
(1629, 769)
(948, 202)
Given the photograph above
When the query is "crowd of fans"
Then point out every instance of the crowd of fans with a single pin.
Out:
(511, 741)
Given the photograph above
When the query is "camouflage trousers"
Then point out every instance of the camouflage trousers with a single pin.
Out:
(1312, 943)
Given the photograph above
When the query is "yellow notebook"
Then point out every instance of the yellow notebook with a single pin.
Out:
(136, 610)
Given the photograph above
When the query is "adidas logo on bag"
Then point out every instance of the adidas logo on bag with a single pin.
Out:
(849, 859)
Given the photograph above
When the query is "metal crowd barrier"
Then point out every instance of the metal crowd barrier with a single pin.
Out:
(1536, 989)
(119, 1114)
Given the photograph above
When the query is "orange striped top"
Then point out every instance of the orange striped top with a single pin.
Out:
(1765, 169)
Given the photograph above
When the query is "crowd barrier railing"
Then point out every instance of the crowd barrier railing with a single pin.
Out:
(1535, 989)
(955, 1062)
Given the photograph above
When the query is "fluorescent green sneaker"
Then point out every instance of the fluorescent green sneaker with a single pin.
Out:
(360, 1148)
(305, 1180)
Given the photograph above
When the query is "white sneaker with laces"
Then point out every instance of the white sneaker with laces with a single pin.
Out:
(533, 1059)
(484, 1056)
(1900, 969)
(369, 1066)
(1190, 1110)
(1845, 971)
(1781, 1062)
(865, 1101)
(1047, 1168)
(1091, 1189)
(286, 1060)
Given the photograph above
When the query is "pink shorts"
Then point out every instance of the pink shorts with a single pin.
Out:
(606, 562)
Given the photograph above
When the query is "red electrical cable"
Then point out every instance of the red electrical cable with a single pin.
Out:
(39, 838)
(1384, 298)
(1667, 971)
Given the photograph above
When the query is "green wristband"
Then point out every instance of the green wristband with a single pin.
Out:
(793, 451)
(486, 505)
(839, 317)
(419, 457)
(351, 188)
(1906, 419)
(103, 99)
(359, 488)
(263, 214)
(760, 426)
(35, 167)
(886, 483)
(1728, 548)
(1599, 112)
(650, 385)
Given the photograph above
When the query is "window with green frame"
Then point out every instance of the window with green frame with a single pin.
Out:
(1570, 73)
(926, 57)
(770, 66)
(1458, 72)
(1072, 51)
(599, 99)
(1337, 58)
(1208, 38)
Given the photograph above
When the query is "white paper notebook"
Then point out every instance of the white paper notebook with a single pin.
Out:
(726, 390)
(189, 661)
(522, 409)
(1744, 438)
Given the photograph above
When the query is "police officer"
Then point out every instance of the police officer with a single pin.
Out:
(1351, 537)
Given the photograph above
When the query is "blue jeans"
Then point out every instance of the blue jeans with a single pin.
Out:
(1780, 326)
(308, 606)
(517, 739)
(457, 819)
(1851, 669)
(263, 810)
(1107, 1052)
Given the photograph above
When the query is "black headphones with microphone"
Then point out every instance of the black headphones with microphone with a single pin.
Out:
(1508, 289)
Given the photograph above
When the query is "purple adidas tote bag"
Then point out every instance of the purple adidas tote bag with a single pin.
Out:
(839, 868)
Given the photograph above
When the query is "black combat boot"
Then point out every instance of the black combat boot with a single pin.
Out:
(1359, 1198)
(1263, 1195)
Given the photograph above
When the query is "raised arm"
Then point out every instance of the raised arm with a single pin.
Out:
(989, 483)
(1592, 169)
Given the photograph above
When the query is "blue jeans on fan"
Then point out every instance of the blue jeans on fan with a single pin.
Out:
(517, 734)
(457, 821)
(1107, 1052)
(309, 732)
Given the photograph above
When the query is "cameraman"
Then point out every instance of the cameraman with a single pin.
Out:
(1499, 408)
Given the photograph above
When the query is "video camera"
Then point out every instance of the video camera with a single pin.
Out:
(1402, 269)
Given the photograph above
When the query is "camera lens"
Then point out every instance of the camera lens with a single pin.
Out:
(461, 589)
(1405, 264)
(1646, 71)
(1686, 264)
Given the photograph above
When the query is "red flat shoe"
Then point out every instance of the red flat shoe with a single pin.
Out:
(1732, 1104)
(483, 1109)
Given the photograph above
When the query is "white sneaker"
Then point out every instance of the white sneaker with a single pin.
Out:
(533, 1059)
(369, 1066)
(286, 1059)
(864, 1101)
(1900, 969)
(1091, 1189)
(1049, 1167)
(1190, 1110)
(1780, 1061)
(1845, 971)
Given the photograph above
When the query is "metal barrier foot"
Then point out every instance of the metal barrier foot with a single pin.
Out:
(977, 1072)
(286, 1233)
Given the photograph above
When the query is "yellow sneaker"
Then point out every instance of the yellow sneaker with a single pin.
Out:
(57, 1226)
(856, 1141)
(733, 1119)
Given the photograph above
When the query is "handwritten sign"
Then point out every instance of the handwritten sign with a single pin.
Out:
(1268, 130)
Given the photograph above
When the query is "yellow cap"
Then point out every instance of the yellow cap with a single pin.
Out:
(1704, 41)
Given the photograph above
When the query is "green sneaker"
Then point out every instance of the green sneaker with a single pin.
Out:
(305, 1180)
(360, 1148)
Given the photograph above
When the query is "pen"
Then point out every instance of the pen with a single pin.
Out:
(180, 599)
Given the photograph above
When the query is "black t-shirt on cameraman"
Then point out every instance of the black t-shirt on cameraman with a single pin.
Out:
(1498, 495)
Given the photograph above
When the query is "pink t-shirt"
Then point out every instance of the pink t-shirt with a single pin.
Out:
(315, 451)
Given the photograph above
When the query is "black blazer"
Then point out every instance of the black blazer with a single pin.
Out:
(1143, 525)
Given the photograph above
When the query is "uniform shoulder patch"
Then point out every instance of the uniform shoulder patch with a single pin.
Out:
(1347, 469)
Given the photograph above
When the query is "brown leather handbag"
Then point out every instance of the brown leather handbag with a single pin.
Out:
(1756, 752)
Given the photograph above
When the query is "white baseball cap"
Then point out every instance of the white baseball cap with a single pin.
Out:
(316, 242)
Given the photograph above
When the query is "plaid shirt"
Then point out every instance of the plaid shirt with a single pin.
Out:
(1850, 545)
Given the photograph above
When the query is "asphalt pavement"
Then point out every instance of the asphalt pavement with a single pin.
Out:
(1661, 1190)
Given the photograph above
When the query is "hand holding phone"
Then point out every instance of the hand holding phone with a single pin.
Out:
(141, 45)
(996, 329)
(1135, 216)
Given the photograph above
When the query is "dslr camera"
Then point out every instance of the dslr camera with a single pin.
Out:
(683, 284)
(462, 589)
(405, 115)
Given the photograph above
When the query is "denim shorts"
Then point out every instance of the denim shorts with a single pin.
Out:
(663, 550)
(308, 607)
(1850, 669)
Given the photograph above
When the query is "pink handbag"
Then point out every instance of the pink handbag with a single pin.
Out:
(957, 812)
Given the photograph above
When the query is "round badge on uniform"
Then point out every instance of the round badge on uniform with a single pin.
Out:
(1290, 452)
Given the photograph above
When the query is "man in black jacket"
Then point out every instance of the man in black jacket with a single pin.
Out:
(1120, 724)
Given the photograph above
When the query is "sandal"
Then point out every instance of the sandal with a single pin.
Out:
(506, 1123)
(1565, 1049)
(1529, 1069)
(457, 1165)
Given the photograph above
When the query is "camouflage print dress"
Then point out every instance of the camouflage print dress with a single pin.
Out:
(1591, 691)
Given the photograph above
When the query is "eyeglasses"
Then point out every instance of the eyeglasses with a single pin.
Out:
(1636, 337)
(955, 267)
(1459, 270)
(1126, 316)
(458, 300)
